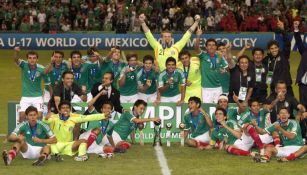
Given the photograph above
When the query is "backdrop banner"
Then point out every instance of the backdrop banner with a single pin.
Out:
(124, 41)
(168, 112)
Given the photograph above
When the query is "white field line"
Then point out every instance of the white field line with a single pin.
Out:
(162, 160)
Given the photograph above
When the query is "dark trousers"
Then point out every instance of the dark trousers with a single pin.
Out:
(303, 94)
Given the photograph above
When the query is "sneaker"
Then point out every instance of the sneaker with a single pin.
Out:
(282, 159)
(102, 155)
(40, 161)
(119, 150)
(256, 157)
(109, 155)
(58, 158)
(254, 154)
(6, 158)
(81, 158)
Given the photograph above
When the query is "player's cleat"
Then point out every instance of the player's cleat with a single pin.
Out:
(119, 150)
(256, 157)
(58, 158)
(109, 155)
(102, 155)
(282, 159)
(254, 154)
(81, 158)
(6, 158)
(40, 161)
(264, 159)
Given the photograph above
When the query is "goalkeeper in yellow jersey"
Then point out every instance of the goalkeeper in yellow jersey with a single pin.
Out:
(167, 48)
(62, 125)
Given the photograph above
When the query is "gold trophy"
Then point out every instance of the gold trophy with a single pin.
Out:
(181, 127)
(141, 127)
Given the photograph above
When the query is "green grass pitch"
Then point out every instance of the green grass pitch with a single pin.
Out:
(138, 160)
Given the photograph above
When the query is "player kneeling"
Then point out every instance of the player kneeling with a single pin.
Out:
(96, 131)
(197, 123)
(62, 125)
(127, 124)
(229, 133)
(290, 133)
(30, 137)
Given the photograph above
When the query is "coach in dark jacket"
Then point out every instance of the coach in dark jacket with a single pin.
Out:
(277, 62)
(111, 94)
(301, 77)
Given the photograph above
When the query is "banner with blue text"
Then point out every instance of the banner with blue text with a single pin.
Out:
(125, 41)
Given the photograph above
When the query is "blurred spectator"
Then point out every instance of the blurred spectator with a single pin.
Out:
(217, 15)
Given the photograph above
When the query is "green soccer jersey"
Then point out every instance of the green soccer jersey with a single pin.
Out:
(63, 129)
(116, 69)
(293, 127)
(220, 133)
(81, 74)
(197, 125)
(54, 76)
(248, 116)
(131, 84)
(211, 70)
(225, 81)
(41, 131)
(144, 76)
(178, 80)
(94, 74)
(32, 79)
(232, 113)
(124, 126)
(104, 125)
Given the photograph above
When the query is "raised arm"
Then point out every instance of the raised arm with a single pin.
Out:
(229, 57)
(197, 48)
(122, 79)
(298, 39)
(17, 58)
(241, 52)
(287, 44)
(93, 100)
(151, 39)
(183, 41)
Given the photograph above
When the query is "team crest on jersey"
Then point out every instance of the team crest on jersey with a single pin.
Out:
(132, 77)
(37, 74)
(173, 52)
(71, 128)
(248, 78)
(38, 131)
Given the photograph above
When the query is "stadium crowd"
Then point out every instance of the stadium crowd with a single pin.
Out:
(52, 16)
(266, 115)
